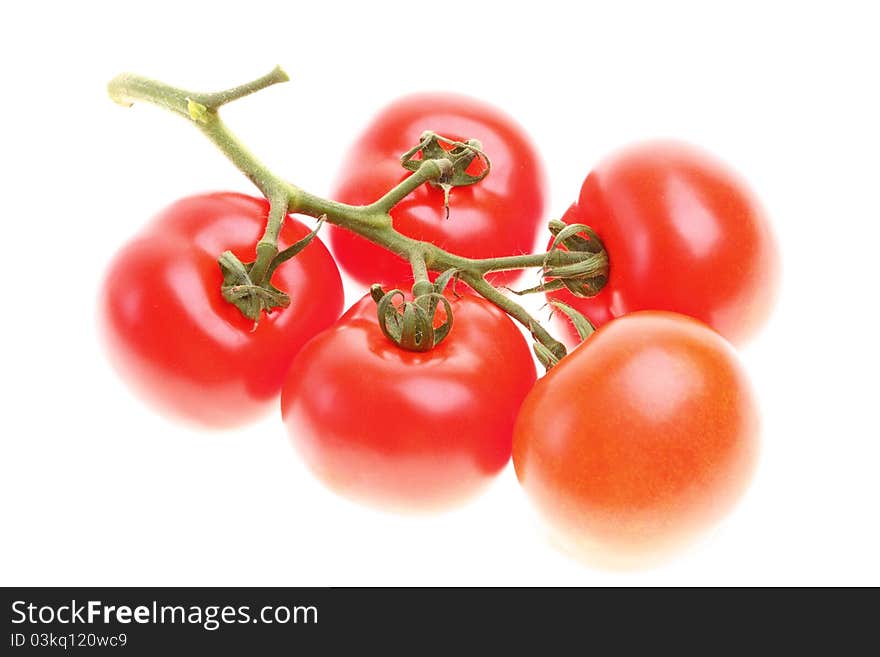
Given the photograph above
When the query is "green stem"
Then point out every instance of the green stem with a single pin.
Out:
(245, 161)
(267, 247)
(419, 268)
(555, 258)
(421, 282)
(512, 308)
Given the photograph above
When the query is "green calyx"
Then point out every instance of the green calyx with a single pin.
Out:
(251, 292)
(576, 261)
(459, 154)
(582, 325)
(587, 277)
(240, 290)
(410, 324)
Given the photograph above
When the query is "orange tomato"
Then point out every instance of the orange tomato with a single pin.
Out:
(641, 436)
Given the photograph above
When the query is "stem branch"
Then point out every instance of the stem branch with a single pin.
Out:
(216, 99)
(429, 170)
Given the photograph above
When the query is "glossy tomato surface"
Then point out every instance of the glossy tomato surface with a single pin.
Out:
(642, 436)
(500, 215)
(406, 430)
(683, 233)
(173, 337)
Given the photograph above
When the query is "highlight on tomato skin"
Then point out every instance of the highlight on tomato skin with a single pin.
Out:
(684, 233)
(639, 440)
(178, 343)
(501, 215)
(408, 431)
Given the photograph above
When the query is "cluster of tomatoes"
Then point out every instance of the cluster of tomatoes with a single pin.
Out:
(642, 434)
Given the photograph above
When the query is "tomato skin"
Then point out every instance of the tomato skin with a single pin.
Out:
(404, 430)
(640, 437)
(683, 233)
(501, 215)
(173, 337)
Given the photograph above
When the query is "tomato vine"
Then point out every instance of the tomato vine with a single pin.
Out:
(247, 284)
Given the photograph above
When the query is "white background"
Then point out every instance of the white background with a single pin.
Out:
(95, 489)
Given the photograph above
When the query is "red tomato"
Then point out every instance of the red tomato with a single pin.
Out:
(174, 338)
(683, 233)
(403, 429)
(641, 436)
(500, 215)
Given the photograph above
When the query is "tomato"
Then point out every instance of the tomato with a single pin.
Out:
(501, 215)
(683, 233)
(639, 438)
(174, 338)
(402, 429)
